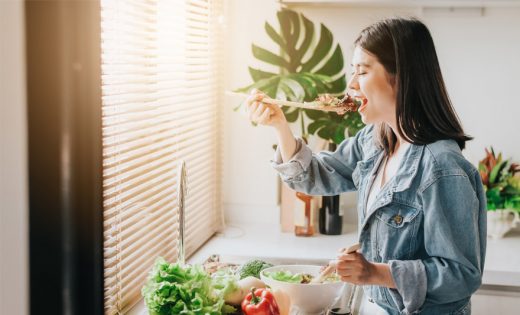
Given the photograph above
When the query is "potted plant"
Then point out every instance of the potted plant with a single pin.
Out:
(307, 68)
(502, 192)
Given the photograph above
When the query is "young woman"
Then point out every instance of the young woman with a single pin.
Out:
(421, 208)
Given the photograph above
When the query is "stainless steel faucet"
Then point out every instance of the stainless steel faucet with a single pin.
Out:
(181, 195)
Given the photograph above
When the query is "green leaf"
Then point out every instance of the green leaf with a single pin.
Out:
(327, 132)
(290, 26)
(267, 56)
(307, 40)
(308, 85)
(322, 48)
(315, 125)
(291, 116)
(316, 114)
(496, 171)
(334, 65)
(339, 85)
(258, 75)
(267, 86)
(339, 134)
(297, 90)
(275, 36)
(285, 92)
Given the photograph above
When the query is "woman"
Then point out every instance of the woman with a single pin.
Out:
(421, 203)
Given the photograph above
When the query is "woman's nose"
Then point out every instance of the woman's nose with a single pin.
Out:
(353, 83)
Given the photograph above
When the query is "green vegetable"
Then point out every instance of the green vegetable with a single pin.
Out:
(285, 276)
(253, 268)
(226, 282)
(183, 289)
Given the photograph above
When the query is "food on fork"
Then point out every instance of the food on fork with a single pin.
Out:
(346, 104)
(324, 102)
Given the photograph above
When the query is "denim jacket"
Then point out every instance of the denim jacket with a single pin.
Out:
(428, 222)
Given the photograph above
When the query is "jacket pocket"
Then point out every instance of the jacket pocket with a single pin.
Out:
(396, 234)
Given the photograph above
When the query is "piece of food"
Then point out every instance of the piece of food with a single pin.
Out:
(285, 276)
(349, 103)
(253, 268)
(213, 264)
(177, 288)
(346, 104)
(243, 287)
(283, 300)
(303, 278)
(260, 302)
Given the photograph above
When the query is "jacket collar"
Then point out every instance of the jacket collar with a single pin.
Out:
(402, 180)
(408, 170)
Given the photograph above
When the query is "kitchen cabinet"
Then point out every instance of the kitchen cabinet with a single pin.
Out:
(496, 301)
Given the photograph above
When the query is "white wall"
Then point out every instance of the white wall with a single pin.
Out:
(13, 162)
(479, 56)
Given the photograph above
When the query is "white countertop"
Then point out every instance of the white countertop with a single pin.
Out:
(502, 265)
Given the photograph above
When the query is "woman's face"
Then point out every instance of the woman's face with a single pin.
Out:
(371, 83)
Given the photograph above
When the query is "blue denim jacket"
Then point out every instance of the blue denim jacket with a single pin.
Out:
(428, 223)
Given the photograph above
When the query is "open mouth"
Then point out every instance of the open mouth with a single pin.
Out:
(363, 102)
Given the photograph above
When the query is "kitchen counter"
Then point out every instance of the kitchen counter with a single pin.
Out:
(501, 281)
(502, 267)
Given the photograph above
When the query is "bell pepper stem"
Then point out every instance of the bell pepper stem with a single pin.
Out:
(254, 299)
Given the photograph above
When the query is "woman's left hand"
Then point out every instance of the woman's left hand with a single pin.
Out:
(355, 269)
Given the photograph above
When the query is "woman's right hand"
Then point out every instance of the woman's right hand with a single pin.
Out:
(263, 113)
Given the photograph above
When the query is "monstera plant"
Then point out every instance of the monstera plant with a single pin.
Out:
(307, 68)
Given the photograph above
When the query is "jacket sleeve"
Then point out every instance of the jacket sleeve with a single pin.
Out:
(323, 173)
(455, 240)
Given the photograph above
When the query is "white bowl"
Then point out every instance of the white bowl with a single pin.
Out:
(311, 298)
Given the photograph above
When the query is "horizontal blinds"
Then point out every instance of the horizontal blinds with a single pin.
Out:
(161, 88)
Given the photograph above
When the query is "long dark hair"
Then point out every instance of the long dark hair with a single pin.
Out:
(424, 112)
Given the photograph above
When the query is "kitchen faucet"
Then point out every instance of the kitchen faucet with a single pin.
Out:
(181, 195)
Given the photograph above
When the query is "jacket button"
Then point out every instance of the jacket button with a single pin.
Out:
(398, 219)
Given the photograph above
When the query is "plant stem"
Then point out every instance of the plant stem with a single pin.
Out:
(302, 124)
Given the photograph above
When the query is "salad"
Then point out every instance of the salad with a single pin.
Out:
(302, 278)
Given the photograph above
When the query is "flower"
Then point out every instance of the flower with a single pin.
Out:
(501, 185)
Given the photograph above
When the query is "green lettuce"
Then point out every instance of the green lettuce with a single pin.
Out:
(285, 276)
(183, 289)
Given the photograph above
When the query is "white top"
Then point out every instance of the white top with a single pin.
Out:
(389, 167)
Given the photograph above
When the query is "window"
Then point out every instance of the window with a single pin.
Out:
(160, 85)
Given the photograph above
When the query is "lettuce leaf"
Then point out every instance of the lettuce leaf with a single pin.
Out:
(182, 289)
(285, 276)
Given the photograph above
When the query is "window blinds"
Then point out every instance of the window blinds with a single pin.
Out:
(160, 88)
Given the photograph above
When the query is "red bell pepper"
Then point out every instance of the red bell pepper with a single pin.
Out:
(260, 302)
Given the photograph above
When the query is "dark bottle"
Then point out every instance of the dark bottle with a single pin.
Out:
(330, 217)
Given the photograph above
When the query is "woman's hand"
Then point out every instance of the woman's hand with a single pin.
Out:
(272, 115)
(263, 113)
(354, 268)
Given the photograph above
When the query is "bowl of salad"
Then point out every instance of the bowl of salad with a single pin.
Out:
(295, 280)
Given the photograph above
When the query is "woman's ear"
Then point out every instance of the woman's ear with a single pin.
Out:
(393, 81)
